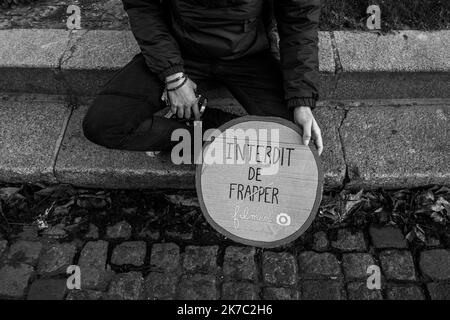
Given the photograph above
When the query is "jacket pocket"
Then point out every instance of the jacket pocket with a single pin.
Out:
(235, 26)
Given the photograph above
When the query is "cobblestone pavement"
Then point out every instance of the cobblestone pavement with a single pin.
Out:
(121, 261)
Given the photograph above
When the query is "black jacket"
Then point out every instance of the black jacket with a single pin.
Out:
(167, 30)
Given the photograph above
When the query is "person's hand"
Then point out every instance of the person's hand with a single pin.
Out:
(304, 118)
(183, 100)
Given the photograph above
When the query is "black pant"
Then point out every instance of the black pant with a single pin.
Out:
(122, 115)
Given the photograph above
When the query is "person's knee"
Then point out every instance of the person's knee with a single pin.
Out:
(95, 128)
(91, 129)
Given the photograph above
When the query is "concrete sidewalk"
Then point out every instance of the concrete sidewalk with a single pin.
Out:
(385, 110)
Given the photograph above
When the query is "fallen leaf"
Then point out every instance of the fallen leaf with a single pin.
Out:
(182, 200)
(352, 201)
(425, 197)
(132, 210)
(443, 189)
(420, 234)
(443, 202)
(410, 236)
(41, 224)
(56, 191)
(55, 232)
(437, 217)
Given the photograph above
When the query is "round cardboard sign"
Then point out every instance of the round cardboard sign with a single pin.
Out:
(258, 184)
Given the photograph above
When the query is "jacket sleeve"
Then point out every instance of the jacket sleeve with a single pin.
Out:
(148, 24)
(298, 22)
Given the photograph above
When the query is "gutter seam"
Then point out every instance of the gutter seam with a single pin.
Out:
(344, 154)
(60, 140)
(337, 63)
(71, 98)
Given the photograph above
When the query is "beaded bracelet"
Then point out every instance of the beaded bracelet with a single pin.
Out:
(178, 86)
(176, 79)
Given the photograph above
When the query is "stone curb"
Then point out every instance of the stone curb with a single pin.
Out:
(353, 65)
(366, 146)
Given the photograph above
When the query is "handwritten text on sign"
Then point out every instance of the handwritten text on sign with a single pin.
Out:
(279, 156)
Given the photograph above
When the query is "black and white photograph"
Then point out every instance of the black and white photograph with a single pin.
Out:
(236, 157)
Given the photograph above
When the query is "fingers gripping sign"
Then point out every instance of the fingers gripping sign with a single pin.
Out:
(304, 118)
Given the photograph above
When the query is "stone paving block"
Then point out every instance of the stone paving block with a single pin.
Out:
(279, 268)
(94, 255)
(239, 291)
(404, 292)
(408, 64)
(160, 286)
(56, 258)
(314, 265)
(131, 252)
(322, 290)
(439, 290)
(47, 289)
(398, 265)
(98, 51)
(95, 278)
(24, 251)
(349, 241)
(165, 257)
(355, 265)
(84, 295)
(320, 241)
(121, 230)
(332, 158)
(239, 263)
(83, 163)
(198, 287)
(126, 286)
(359, 291)
(14, 280)
(387, 237)
(92, 263)
(400, 147)
(200, 259)
(272, 293)
(435, 264)
(28, 58)
(29, 137)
